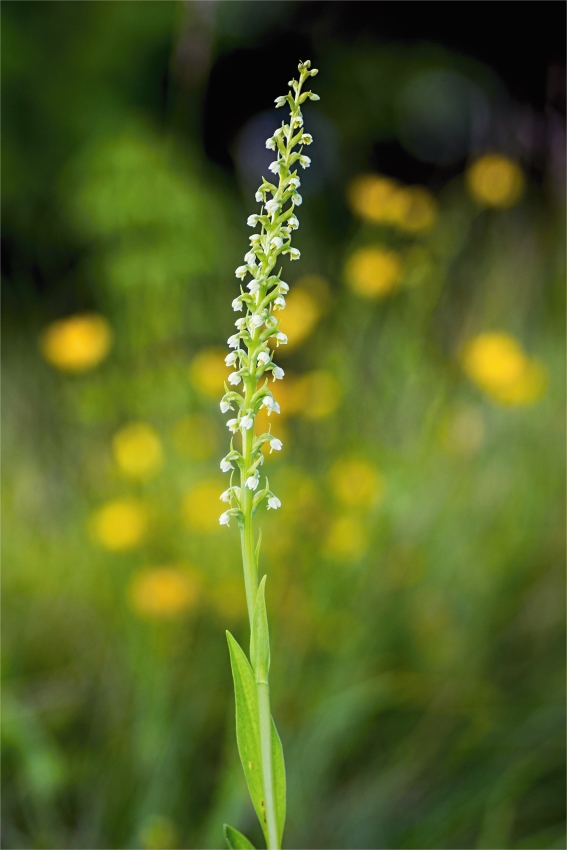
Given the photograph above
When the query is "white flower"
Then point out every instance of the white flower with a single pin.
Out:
(272, 206)
(281, 337)
(294, 254)
(224, 519)
(233, 341)
(250, 258)
(278, 373)
(246, 422)
(252, 482)
(293, 222)
(279, 302)
(304, 161)
(272, 405)
(280, 101)
(253, 286)
(240, 323)
(297, 121)
(234, 378)
(306, 139)
(225, 464)
(297, 199)
(313, 96)
(275, 445)
(232, 425)
(252, 220)
(241, 272)
(278, 132)
(256, 321)
(283, 287)
(225, 497)
(263, 358)
(274, 167)
(225, 407)
(237, 305)
(258, 196)
(271, 143)
(231, 358)
(294, 183)
(277, 242)
(255, 239)
(274, 503)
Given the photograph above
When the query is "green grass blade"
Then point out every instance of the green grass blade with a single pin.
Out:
(278, 768)
(248, 726)
(235, 840)
(260, 638)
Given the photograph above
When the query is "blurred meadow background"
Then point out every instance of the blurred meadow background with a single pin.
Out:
(416, 577)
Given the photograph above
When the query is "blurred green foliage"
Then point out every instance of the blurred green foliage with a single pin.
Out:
(416, 566)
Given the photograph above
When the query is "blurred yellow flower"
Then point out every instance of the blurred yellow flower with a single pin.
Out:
(202, 506)
(495, 181)
(355, 481)
(384, 201)
(373, 272)
(163, 592)
(78, 343)
(159, 833)
(497, 363)
(137, 450)
(195, 436)
(299, 318)
(319, 393)
(120, 524)
(209, 371)
(346, 539)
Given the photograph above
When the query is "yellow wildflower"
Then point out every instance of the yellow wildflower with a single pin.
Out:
(163, 592)
(201, 506)
(209, 371)
(119, 525)
(373, 272)
(78, 343)
(384, 201)
(355, 481)
(495, 181)
(137, 450)
(346, 539)
(496, 362)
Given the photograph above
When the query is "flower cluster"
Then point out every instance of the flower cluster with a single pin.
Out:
(262, 297)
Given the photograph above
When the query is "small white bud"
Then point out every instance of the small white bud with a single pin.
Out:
(274, 503)
(246, 422)
(240, 323)
(252, 220)
(275, 445)
(294, 183)
(224, 519)
(231, 358)
(283, 287)
(279, 302)
(254, 287)
(225, 464)
(263, 358)
(281, 337)
(293, 222)
(225, 407)
(233, 341)
(271, 143)
(255, 239)
(241, 272)
(278, 373)
(272, 206)
(304, 161)
(297, 199)
(274, 167)
(256, 321)
(234, 378)
(297, 121)
(314, 72)
(271, 404)
(280, 101)
(232, 425)
(252, 482)
(306, 139)
(250, 258)
(237, 305)
(294, 254)
(277, 242)
(313, 96)
(225, 497)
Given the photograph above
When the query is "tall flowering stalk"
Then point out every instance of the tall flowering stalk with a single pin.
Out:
(251, 357)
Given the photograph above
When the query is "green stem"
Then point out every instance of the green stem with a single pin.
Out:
(263, 690)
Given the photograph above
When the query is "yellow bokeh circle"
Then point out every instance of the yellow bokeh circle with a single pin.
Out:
(355, 482)
(346, 539)
(209, 371)
(382, 200)
(163, 592)
(373, 272)
(202, 506)
(496, 362)
(78, 343)
(119, 525)
(495, 181)
(137, 450)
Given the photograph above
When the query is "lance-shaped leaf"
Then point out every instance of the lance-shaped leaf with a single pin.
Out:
(259, 638)
(248, 727)
(278, 768)
(235, 840)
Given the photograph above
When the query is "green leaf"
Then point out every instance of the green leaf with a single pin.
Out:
(248, 726)
(235, 840)
(278, 768)
(260, 638)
